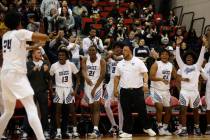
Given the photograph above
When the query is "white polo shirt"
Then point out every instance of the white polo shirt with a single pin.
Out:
(131, 73)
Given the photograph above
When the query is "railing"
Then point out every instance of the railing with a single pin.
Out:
(178, 12)
(187, 19)
(198, 25)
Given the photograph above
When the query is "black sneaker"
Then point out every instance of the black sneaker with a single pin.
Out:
(183, 132)
(95, 134)
(197, 131)
(113, 129)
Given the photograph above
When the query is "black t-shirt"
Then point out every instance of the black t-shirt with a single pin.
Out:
(141, 51)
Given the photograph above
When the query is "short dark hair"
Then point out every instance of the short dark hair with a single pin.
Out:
(190, 52)
(62, 48)
(129, 45)
(165, 50)
(12, 19)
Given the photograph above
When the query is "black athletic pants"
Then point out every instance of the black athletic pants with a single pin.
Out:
(133, 99)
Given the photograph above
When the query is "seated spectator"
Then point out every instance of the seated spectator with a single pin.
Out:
(142, 51)
(51, 20)
(65, 20)
(132, 11)
(95, 11)
(64, 4)
(33, 25)
(172, 19)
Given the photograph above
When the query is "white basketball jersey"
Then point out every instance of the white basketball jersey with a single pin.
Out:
(14, 50)
(164, 71)
(112, 66)
(207, 73)
(192, 72)
(63, 73)
(93, 69)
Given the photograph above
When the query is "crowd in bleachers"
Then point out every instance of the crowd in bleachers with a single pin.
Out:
(79, 24)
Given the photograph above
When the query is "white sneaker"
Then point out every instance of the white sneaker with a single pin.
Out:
(58, 136)
(68, 134)
(125, 135)
(164, 132)
(46, 135)
(120, 132)
(150, 132)
(75, 134)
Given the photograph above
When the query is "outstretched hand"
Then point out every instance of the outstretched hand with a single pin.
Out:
(205, 41)
(179, 40)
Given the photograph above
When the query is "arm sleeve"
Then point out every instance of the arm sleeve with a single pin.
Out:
(52, 70)
(201, 57)
(117, 71)
(178, 58)
(24, 35)
(142, 67)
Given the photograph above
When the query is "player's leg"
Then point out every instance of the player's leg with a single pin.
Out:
(9, 106)
(120, 117)
(167, 108)
(194, 103)
(95, 113)
(74, 119)
(207, 98)
(32, 114)
(58, 100)
(9, 102)
(184, 101)
(107, 106)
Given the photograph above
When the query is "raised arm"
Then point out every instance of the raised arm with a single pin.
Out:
(178, 57)
(201, 56)
(39, 37)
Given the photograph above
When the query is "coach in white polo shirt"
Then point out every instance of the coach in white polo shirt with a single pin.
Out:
(131, 75)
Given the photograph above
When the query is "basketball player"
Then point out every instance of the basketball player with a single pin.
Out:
(63, 70)
(15, 84)
(93, 70)
(189, 94)
(160, 76)
(114, 58)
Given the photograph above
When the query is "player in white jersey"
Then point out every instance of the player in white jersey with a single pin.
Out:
(15, 84)
(160, 76)
(93, 70)
(206, 76)
(113, 59)
(189, 94)
(64, 92)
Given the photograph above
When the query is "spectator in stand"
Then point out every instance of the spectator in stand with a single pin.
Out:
(132, 11)
(45, 8)
(172, 19)
(55, 43)
(32, 24)
(79, 11)
(131, 40)
(142, 52)
(94, 11)
(64, 4)
(51, 21)
(92, 39)
(66, 21)
(74, 48)
(109, 28)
